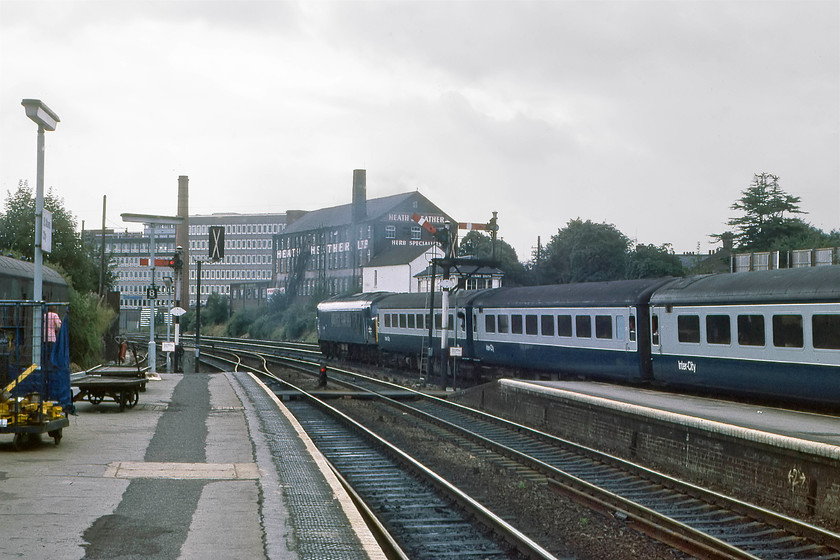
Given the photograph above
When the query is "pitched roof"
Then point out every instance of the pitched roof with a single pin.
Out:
(343, 215)
(399, 255)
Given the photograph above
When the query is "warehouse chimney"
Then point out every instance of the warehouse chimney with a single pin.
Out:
(359, 195)
(182, 236)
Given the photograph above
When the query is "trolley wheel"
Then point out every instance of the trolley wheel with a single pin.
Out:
(56, 435)
(18, 441)
(122, 398)
(132, 398)
(94, 399)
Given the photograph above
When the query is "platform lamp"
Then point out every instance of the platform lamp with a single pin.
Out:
(152, 221)
(46, 119)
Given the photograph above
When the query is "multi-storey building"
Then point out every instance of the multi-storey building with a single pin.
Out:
(325, 250)
(248, 255)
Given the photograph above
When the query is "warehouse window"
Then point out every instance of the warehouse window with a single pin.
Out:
(718, 330)
(603, 326)
(390, 232)
(787, 331)
(583, 326)
(547, 325)
(688, 328)
(826, 331)
(751, 330)
(564, 325)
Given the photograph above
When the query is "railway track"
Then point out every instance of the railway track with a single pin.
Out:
(410, 504)
(690, 518)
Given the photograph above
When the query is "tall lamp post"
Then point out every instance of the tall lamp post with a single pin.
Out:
(46, 119)
(152, 221)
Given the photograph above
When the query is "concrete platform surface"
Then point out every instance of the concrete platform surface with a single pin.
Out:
(190, 472)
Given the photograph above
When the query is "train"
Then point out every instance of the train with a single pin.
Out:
(771, 334)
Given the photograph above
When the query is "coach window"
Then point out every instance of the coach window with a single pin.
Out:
(504, 323)
(403, 321)
(583, 326)
(450, 325)
(654, 329)
(718, 330)
(547, 324)
(632, 327)
(490, 323)
(787, 331)
(421, 320)
(826, 331)
(395, 320)
(411, 321)
(751, 330)
(688, 328)
(438, 321)
(387, 319)
(516, 324)
(564, 325)
(531, 324)
(603, 326)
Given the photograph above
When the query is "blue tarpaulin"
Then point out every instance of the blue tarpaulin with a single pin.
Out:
(52, 380)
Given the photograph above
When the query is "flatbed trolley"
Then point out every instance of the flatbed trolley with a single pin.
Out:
(53, 428)
(124, 391)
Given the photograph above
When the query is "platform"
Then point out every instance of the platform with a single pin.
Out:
(204, 466)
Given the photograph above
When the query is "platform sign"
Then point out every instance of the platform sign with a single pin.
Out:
(456, 352)
(168, 346)
(177, 311)
(46, 231)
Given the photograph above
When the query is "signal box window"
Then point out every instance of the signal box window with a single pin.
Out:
(547, 324)
(751, 330)
(826, 331)
(490, 323)
(718, 330)
(516, 324)
(603, 326)
(688, 328)
(787, 331)
(583, 326)
(564, 325)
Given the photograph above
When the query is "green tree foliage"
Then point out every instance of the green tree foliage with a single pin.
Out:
(478, 245)
(650, 261)
(585, 252)
(216, 310)
(90, 320)
(17, 235)
(764, 206)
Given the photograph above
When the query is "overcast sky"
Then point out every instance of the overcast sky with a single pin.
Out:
(652, 116)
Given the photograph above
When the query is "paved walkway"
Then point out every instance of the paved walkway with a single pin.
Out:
(191, 472)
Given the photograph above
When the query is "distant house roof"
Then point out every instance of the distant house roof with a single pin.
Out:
(343, 215)
(462, 270)
(24, 269)
(399, 255)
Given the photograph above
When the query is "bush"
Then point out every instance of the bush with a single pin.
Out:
(90, 320)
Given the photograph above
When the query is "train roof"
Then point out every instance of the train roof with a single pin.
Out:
(587, 294)
(421, 300)
(348, 303)
(791, 285)
(24, 269)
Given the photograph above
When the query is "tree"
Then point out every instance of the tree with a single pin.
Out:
(586, 252)
(17, 234)
(650, 261)
(479, 245)
(764, 205)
